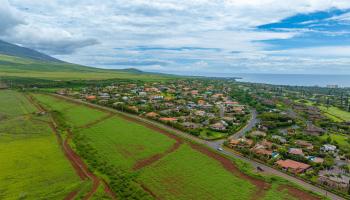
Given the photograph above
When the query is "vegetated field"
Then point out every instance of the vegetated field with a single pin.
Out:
(76, 115)
(336, 113)
(170, 168)
(189, 174)
(22, 67)
(124, 143)
(32, 163)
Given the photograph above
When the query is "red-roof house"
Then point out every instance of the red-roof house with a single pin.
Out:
(294, 166)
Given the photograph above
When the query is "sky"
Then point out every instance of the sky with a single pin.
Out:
(191, 37)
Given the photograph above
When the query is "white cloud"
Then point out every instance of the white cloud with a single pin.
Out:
(63, 26)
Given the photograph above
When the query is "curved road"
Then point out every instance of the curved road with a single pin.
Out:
(216, 144)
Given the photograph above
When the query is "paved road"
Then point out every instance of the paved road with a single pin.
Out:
(216, 144)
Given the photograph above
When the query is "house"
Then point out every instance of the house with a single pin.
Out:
(218, 126)
(152, 115)
(191, 125)
(258, 133)
(263, 152)
(314, 130)
(168, 119)
(338, 182)
(242, 142)
(293, 166)
(336, 178)
(296, 151)
(304, 144)
(328, 148)
(315, 159)
(91, 97)
(279, 138)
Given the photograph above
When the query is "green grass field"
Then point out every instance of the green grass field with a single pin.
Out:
(341, 139)
(336, 114)
(14, 104)
(76, 115)
(32, 163)
(188, 174)
(124, 143)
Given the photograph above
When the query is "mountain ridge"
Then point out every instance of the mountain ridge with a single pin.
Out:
(10, 49)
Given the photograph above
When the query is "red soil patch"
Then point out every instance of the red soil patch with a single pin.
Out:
(154, 158)
(97, 121)
(149, 191)
(71, 195)
(297, 193)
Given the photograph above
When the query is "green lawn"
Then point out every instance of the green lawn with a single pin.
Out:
(336, 113)
(32, 163)
(124, 142)
(341, 139)
(188, 174)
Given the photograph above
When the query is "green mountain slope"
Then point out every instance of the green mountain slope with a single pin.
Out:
(11, 66)
(15, 50)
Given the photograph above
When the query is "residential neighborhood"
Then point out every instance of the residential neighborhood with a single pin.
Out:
(203, 108)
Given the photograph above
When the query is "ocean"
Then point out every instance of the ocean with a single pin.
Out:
(296, 79)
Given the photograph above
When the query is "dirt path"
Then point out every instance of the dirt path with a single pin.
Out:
(97, 121)
(78, 164)
(148, 161)
(299, 194)
(71, 195)
(261, 185)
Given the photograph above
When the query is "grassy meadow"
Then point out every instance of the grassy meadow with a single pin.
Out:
(33, 165)
(340, 139)
(124, 143)
(336, 114)
(75, 115)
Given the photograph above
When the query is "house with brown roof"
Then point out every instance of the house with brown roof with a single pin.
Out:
(304, 144)
(218, 126)
(168, 119)
(296, 151)
(152, 115)
(293, 166)
(91, 97)
(258, 133)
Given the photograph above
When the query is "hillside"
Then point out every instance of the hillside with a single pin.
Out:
(11, 66)
(23, 52)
